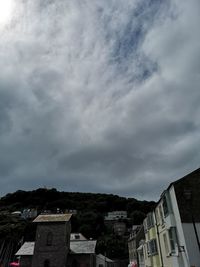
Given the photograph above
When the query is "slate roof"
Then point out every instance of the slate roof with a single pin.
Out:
(77, 237)
(53, 218)
(188, 206)
(83, 247)
(26, 249)
(104, 258)
(76, 247)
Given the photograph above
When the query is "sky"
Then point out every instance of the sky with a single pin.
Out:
(99, 96)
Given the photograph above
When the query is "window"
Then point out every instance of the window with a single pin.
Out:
(173, 239)
(141, 257)
(165, 206)
(150, 220)
(77, 236)
(145, 251)
(166, 244)
(46, 263)
(161, 214)
(49, 239)
(152, 247)
(157, 215)
(166, 202)
(145, 225)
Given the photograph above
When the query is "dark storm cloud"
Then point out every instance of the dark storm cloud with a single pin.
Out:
(99, 96)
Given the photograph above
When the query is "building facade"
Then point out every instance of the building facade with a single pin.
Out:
(55, 247)
(52, 240)
(151, 246)
(172, 230)
(178, 221)
(136, 235)
(116, 215)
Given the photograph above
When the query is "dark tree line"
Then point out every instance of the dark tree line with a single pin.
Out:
(91, 209)
(51, 199)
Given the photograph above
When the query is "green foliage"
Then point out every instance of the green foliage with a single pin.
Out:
(89, 220)
(137, 217)
(84, 202)
(11, 228)
(112, 246)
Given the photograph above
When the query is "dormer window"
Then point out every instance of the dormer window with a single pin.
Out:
(77, 236)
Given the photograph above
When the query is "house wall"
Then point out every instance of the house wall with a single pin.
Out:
(103, 262)
(119, 228)
(81, 260)
(136, 237)
(57, 252)
(162, 231)
(175, 225)
(25, 261)
(141, 256)
(115, 215)
(191, 241)
(155, 259)
(177, 257)
(183, 256)
(132, 249)
(188, 204)
(151, 260)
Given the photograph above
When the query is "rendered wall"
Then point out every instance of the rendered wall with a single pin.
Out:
(191, 242)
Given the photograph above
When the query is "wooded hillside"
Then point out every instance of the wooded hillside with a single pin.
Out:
(89, 220)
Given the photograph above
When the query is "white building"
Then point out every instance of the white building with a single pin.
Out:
(172, 233)
(178, 222)
(116, 215)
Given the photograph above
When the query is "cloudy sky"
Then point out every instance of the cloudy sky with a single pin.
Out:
(98, 95)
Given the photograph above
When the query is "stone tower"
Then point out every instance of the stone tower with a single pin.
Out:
(52, 240)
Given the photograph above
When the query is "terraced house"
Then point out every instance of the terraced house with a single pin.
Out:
(151, 246)
(172, 230)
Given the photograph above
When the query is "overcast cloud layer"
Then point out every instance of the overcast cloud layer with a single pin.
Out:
(99, 96)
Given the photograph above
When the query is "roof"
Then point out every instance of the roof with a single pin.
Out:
(77, 236)
(187, 176)
(77, 247)
(53, 218)
(83, 247)
(102, 257)
(26, 249)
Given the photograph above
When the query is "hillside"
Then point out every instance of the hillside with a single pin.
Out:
(89, 220)
(51, 198)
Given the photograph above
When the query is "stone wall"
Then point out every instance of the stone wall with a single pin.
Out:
(26, 261)
(54, 249)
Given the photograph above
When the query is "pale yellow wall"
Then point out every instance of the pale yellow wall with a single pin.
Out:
(152, 260)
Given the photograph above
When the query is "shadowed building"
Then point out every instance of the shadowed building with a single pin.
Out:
(136, 235)
(172, 231)
(52, 240)
(81, 253)
(26, 254)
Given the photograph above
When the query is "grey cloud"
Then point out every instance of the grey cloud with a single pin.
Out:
(99, 96)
